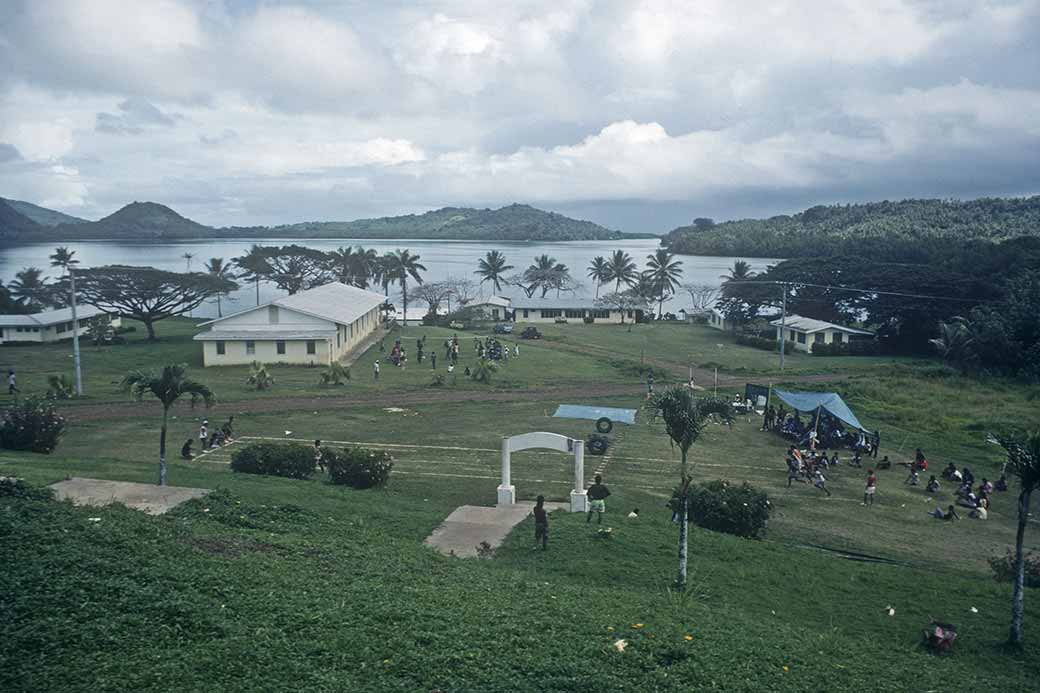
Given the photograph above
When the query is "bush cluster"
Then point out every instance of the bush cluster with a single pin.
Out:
(33, 424)
(275, 459)
(12, 487)
(859, 347)
(358, 467)
(757, 342)
(1004, 568)
(722, 507)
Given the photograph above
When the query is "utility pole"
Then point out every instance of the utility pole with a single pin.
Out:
(783, 324)
(75, 336)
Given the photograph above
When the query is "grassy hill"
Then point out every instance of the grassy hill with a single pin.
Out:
(14, 224)
(831, 229)
(42, 215)
(152, 221)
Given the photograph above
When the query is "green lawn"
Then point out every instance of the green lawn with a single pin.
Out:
(240, 592)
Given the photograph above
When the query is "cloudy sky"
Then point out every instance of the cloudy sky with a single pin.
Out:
(637, 115)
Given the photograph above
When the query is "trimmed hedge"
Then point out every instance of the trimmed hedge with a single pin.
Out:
(32, 424)
(857, 347)
(757, 342)
(722, 507)
(358, 467)
(275, 459)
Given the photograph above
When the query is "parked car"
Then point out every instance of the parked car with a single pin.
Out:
(531, 333)
(503, 328)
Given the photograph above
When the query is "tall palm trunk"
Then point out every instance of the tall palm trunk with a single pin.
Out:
(75, 335)
(404, 301)
(220, 313)
(257, 283)
(660, 306)
(597, 290)
(162, 447)
(680, 582)
(1017, 595)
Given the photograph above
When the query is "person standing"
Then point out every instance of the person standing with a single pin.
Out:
(204, 434)
(433, 360)
(541, 523)
(597, 494)
(649, 383)
(871, 490)
(375, 370)
(876, 443)
(12, 385)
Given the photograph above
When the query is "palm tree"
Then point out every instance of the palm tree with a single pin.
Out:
(64, 258)
(684, 419)
(341, 263)
(598, 272)
(664, 272)
(384, 272)
(542, 274)
(30, 289)
(491, 268)
(254, 267)
(1023, 454)
(217, 268)
(168, 387)
(401, 264)
(740, 271)
(366, 265)
(621, 268)
(187, 260)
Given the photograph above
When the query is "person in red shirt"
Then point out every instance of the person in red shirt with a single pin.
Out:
(541, 523)
(868, 493)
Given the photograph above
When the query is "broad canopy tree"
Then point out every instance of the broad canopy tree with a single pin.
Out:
(148, 294)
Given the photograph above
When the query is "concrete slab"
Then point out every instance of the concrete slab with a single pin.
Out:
(154, 500)
(463, 531)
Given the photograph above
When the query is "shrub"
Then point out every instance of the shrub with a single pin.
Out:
(12, 487)
(275, 459)
(858, 347)
(59, 387)
(437, 380)
(634, 369)
(484, 371)
(757, 342)
(358, 467)
(1004, 568)
(722, 507)
(32, 425)
(259, 377)
(335, 374)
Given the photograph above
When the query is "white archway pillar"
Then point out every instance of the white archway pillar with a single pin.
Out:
(506, 490)
(552, 441)
(579, 501)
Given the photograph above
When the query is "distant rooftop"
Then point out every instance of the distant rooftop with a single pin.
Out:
(810, 325)
(50, 317)
(336, 302)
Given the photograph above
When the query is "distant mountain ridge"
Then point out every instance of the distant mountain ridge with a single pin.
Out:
(836, 229)
(42, 215)
(152, 221)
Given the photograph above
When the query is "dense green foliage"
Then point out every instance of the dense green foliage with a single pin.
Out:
(841, 229)
(32, 424)
(274, 459)
(14, 224)
(358, 467)
(720, 506)
(1004, 568)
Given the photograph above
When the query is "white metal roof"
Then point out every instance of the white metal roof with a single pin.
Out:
(340, 303)
(810, 325)
(50, 317)
(262, 335)
(500, 301)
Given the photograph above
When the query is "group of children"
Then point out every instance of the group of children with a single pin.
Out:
(597, 495)
(218, 437)
(488, 348)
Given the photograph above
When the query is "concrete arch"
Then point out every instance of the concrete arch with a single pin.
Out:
(550, 441)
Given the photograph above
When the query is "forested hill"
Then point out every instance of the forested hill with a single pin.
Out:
(42, 215)
(837, 229)
(513, 223)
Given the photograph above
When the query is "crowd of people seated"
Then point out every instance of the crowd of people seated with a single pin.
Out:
(827, 433)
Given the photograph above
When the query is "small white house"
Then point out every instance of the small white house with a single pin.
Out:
(801, 333)
(312, 327)
(493, 308)
(50, 325)
(717, 320)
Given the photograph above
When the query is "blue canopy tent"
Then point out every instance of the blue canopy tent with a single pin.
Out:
(829, 402)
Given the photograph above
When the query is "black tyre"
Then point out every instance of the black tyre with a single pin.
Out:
(604, 424)
(596, 446)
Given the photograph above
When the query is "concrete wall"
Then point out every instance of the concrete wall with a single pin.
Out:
(550, 315)
(266, 352)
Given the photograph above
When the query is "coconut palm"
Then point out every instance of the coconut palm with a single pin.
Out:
(218, 268)
(491, 268)
(366, 265)
(167, 386)
(740, 271)
(30, 289)
(598, 272)
(545, 273)
(1023, 453)
(685, 418)
(254, 267)
(621, 268)
(664, 272)
(65, 259)
(401, 264)
(187, 261)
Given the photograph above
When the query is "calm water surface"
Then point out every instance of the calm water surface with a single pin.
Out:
(441, 258)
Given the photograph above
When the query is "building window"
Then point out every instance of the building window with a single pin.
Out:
(801, 338)
(525, 313)
(311, 347)
(36, 329)
(551, 313)
(494, 313)
(571, 313)
(837, 337)
(221, 349)
(279, 347)
(60, 328)
(600, 313)
(272, 315)
(250, 348)
(817, 338)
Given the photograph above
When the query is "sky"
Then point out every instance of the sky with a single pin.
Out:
(635, 115)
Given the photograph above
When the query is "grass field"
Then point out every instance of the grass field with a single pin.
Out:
(276, 584)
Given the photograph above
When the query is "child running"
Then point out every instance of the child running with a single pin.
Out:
(820, 482)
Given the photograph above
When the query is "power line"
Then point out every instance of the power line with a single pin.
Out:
(861, 291)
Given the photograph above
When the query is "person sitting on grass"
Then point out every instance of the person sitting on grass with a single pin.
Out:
(950, 471)
(969, 478)
(541, 523)
(834, 459)
(933, 485)
(186, 453)
(597, 494)
(820, 482)
(968, 500)
(634, 515)
(1002, 484)
(986, 486)
(885, 463)
(950, 514)
(981, 511)
(856, 460)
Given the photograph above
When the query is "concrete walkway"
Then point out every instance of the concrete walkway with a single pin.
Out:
(154, 500)
(463, 531)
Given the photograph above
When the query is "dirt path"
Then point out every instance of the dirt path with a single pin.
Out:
(103, 411)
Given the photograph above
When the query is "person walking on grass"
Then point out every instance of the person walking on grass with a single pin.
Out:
(871, 490)
(12, 385)
(820, 482)
(541, 523)
(597, 494)
(375, 370)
